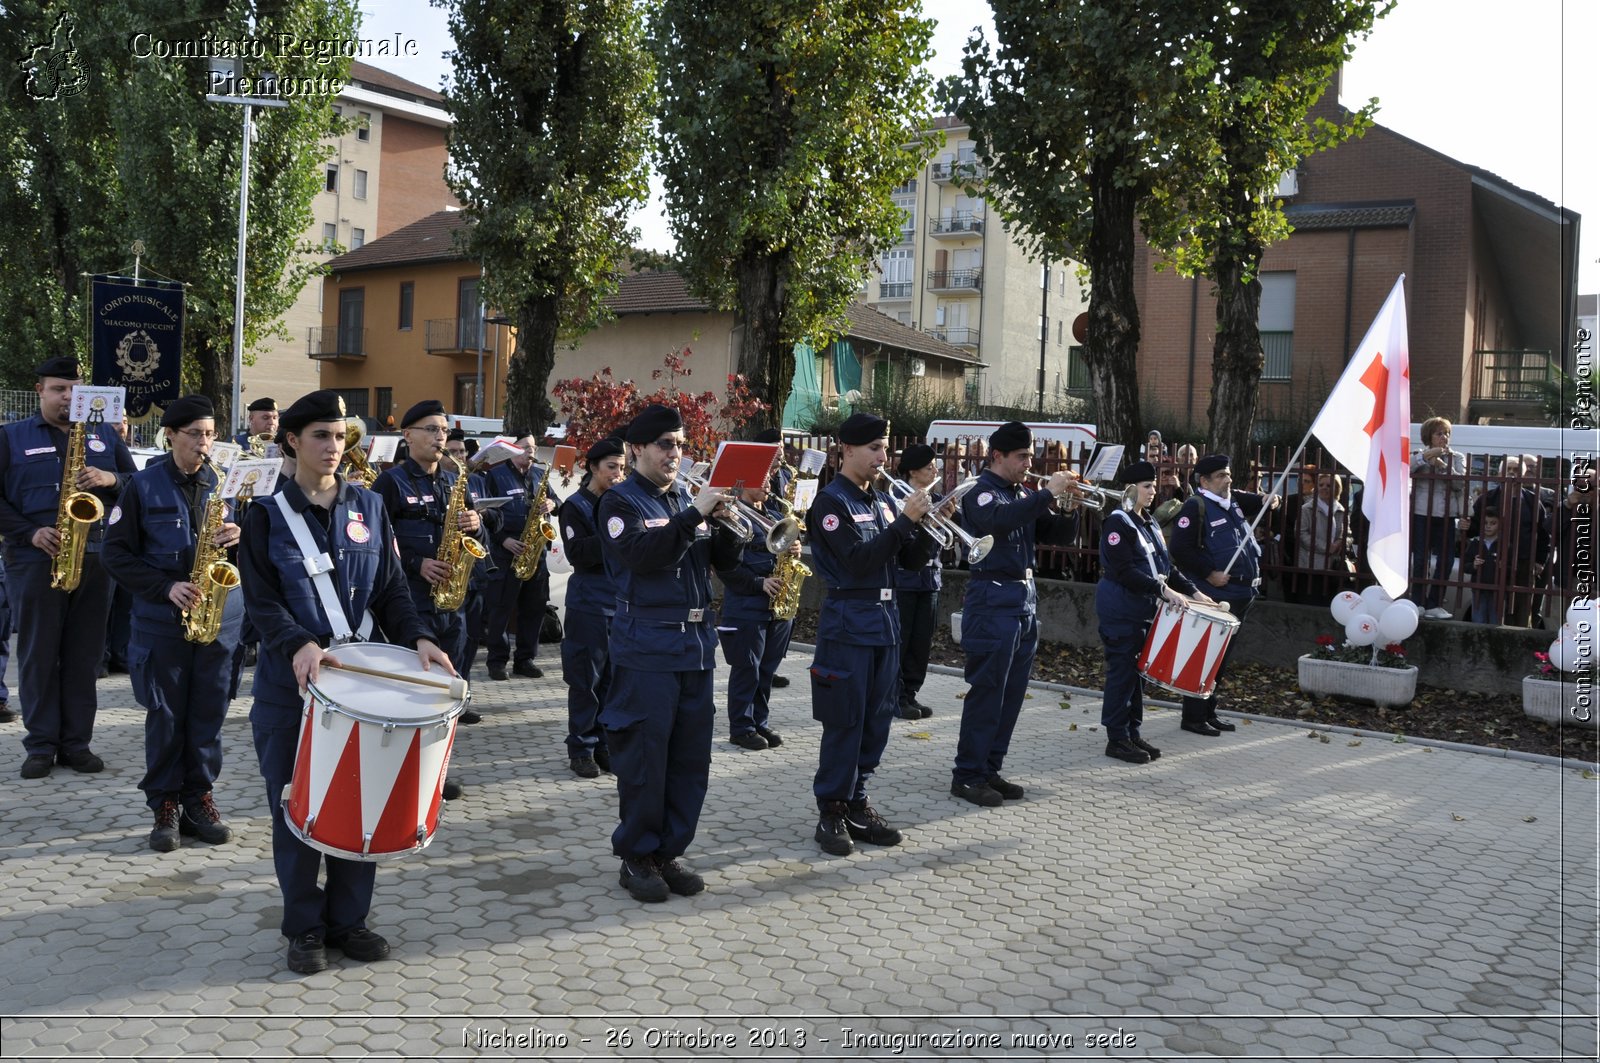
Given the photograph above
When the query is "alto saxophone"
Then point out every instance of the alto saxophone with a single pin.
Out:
(211, 572)
(357, 469)
(457, 550)
(790, 570)
(76, 512)
(537, 533)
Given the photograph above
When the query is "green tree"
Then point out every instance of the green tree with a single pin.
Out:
(551, 102)
(784, 126)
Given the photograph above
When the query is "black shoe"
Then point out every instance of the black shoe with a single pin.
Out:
(1221, 724)
(83, 760)
(361, 944)
(7, 713)
(103, 672)
(643, 883)
(307, 954)
(922, 710)
(468, 716)
(585, 767)
(250, 655)
(833, 832)
(451, 790)
(202, 820)
(1200, 727)
(1151, 751)
(1008, 790)
(529, 669)
(679, 879)
(865, 825)
(978, 793)
(498, 673)
(164, 838)
(38, 765)
(780, 681)
(118, 668)
(774, 739)
(749, 740)
(602, 759)
(1122, 749)
(907, 711)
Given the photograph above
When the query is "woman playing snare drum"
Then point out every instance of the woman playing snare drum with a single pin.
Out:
(1137, 574)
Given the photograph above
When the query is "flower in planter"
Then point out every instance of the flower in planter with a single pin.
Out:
(1545, 667)
(1392, 655)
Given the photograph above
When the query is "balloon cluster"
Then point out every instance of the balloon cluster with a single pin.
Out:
(1574, 650)
(1372, 616)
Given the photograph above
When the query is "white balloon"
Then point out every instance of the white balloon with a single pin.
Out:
(1376, 600)
(1563, 655)
(1398, 622)
(1362, 630)
(1583, 616)
(1345, 605)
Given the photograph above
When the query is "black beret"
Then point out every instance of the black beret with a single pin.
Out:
(859, 429)
(653, 422)
(1139, 472)
(472, 447)
(317, 406)
(768, 435)
(1013, 435)
(63, 367)
(187, 410)
(456, 433)
(263, 406)
(425, 408)
(916, 456)
(610, 446)
(1211, 463)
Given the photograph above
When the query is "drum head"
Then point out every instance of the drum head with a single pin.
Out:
(376, 700)
(1214, 614)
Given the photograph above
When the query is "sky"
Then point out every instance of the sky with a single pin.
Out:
(1505, 87)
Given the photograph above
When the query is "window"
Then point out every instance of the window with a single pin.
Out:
(363, 125)
(1044, 276)
(1077, 370)
(352, 331)
(355, 401)
(385, 406)
(466, 394)
(357, 238)
(1044, 327)
(360, 191)
(332, 184)
(408, 302)
(908, 225)
(330, 235)
(895, 282)
(1060, 329)
(469, 315)
(1276, 322)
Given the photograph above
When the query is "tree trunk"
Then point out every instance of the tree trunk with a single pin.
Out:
(216, 380)
(528, 408)
(764, 359)
(1236, 358)
(1113, 347)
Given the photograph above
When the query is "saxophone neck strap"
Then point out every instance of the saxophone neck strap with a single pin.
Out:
(319, 566)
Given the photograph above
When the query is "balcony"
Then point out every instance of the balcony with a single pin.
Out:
(333, 342)
(960, 335)
(958, 170)
(894, 290)
(955, 281)
(1510, 384)
(956, 226)
(453, 335)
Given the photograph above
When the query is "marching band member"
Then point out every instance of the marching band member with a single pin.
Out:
(517, 479)
(856, 540)
(917, 593)
(1136, 576)
(60, 634)
(999, 625)
(351, 528)
(1210, 527)
(659, 547)
(591, 602)
(185, 686)
(262, 420)
(462, 450)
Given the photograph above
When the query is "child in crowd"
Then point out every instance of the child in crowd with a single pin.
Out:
(1482, 559)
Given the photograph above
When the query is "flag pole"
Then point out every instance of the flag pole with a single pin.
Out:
(1276, 489)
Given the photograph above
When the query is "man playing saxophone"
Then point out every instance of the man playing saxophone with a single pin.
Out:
(60, 633)
(170, 509)
(511, 591)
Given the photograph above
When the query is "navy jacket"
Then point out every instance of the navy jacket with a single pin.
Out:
(1132, 555)
(1019, 518)
(745, 598)
(416, 503)
(857, 539)
(1205, 537)
(589, 586)
(32, 455)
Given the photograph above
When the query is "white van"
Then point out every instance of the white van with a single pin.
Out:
(1073, 435)
(1488, 443)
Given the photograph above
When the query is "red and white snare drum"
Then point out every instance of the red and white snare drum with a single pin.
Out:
(1184, 649)
(372, 757)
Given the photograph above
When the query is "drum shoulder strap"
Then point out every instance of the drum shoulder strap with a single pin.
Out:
(319, 565)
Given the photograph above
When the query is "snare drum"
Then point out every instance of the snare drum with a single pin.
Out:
(371, 758)
(1184, 649)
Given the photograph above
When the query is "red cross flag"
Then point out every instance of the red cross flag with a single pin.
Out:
(1366, 424)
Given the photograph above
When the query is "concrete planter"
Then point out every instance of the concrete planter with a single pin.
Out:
(1553, 701)
(1389, 687)
(955, 628)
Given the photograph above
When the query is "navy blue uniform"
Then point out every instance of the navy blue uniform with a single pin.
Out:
(857, 539)
(658, 551)
(477, 607)
(586, 643)
(1133, 563)
(5, 638)
(60, 646)
(184, 686)
(917, 593)
(283, 605)
(753, 640)
(509, 596)
(999, 622)
(1204, 538)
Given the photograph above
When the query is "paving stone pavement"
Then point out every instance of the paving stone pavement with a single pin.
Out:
(1262, 894)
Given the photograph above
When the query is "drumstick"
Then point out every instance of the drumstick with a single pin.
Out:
(456, 686)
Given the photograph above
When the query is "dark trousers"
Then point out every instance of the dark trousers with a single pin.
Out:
(185, 688)
(119, 626)
(525, 599)
(753, 649)
(586, 669)
(1197, 709)
(343, 904)
(850, 696)
(918, 610)
(662, 761)
(1000, 651)
(60, 638)
(1122, 708)
(477, 620)
(449, 631)
(5, 638)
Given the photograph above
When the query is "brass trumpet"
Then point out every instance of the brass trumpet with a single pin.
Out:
(942, 530)
(745, 519)
(1101, 498)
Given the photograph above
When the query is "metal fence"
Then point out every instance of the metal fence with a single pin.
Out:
(17, 404)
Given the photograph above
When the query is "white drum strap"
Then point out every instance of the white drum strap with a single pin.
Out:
(1144, 544)
(318, 566)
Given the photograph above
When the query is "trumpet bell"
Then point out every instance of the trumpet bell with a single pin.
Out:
(784, 534)
(979, 549)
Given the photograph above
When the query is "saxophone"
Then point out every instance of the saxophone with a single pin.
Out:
(790, 570)
(357, 469)
(211, 573)
(76, 512)
(537, 533)
(456, 549)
